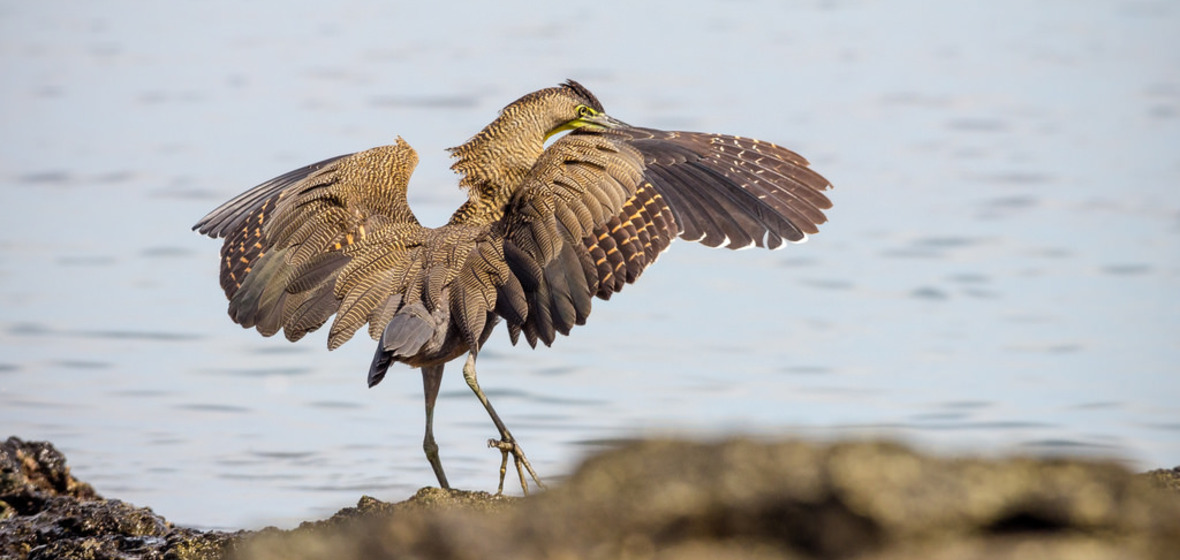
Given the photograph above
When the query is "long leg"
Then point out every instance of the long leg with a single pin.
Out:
(506, 444)
(431, 379)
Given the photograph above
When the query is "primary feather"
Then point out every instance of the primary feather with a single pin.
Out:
(543, 232)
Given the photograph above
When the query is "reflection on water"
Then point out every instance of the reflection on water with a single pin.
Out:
(998, 276)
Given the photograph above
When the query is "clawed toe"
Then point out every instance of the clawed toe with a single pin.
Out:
(507, 446)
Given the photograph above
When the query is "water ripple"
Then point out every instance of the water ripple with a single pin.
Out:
(204, 407)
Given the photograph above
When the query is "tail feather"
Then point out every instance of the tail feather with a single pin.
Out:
(405, 335)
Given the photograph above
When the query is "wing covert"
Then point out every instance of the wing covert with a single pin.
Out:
(288, 239)
(601, 205)
(582, 224)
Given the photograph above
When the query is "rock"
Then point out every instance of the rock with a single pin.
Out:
(47, 513)
(1165, 478)
(746, 499)
(32, 473)
(729, 499)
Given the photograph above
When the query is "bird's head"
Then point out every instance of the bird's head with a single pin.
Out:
(497, 157)
(571, 106)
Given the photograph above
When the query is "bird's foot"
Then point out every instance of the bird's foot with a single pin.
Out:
(507, 446)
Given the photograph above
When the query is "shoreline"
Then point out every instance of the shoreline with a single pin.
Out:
(732, 498)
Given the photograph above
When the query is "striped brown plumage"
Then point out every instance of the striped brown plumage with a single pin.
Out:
(544, 231)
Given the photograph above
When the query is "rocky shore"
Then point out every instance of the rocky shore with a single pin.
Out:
(660, 499)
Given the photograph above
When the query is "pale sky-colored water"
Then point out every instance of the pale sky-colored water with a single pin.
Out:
(1000, 274)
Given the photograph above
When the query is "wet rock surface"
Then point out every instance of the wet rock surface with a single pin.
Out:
(662, 499)
(46, 513)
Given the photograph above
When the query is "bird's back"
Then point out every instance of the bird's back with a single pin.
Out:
(544, 230)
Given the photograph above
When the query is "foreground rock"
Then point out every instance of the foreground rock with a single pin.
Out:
(662, 499)
(46, 513)
(742, 499)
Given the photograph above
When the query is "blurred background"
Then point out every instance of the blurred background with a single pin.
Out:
(1000, 273)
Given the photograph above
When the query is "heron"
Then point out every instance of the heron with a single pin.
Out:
(565, 204)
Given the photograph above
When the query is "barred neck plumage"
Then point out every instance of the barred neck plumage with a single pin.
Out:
(493, 163)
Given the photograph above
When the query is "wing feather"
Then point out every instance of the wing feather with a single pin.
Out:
(601, 205)
(767, 190)
(597, 208)
(290, 240)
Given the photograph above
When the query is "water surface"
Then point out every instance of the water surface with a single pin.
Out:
(999, 274)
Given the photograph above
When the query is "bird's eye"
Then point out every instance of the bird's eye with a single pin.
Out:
(584, 112)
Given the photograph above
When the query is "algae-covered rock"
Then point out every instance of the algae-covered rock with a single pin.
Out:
(1165, 478)
(730, 499)
(748, 499)
(48, 514)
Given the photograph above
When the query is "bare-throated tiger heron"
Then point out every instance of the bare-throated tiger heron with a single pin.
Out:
(544, 231)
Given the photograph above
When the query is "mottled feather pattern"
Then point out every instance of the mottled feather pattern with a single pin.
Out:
(543, 232)
(232, 214)
(583, 181)
(621, 248)
(733, 191)
(243, 247)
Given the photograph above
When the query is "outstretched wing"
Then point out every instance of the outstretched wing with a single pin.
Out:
(287, 239)
(732, 191)
(566, 213)
(600, 206)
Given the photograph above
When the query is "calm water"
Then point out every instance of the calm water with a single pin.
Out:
(1001, 272)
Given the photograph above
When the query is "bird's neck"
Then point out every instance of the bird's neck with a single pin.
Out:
(494, 162)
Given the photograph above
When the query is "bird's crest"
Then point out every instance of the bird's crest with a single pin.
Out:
(581, 91)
